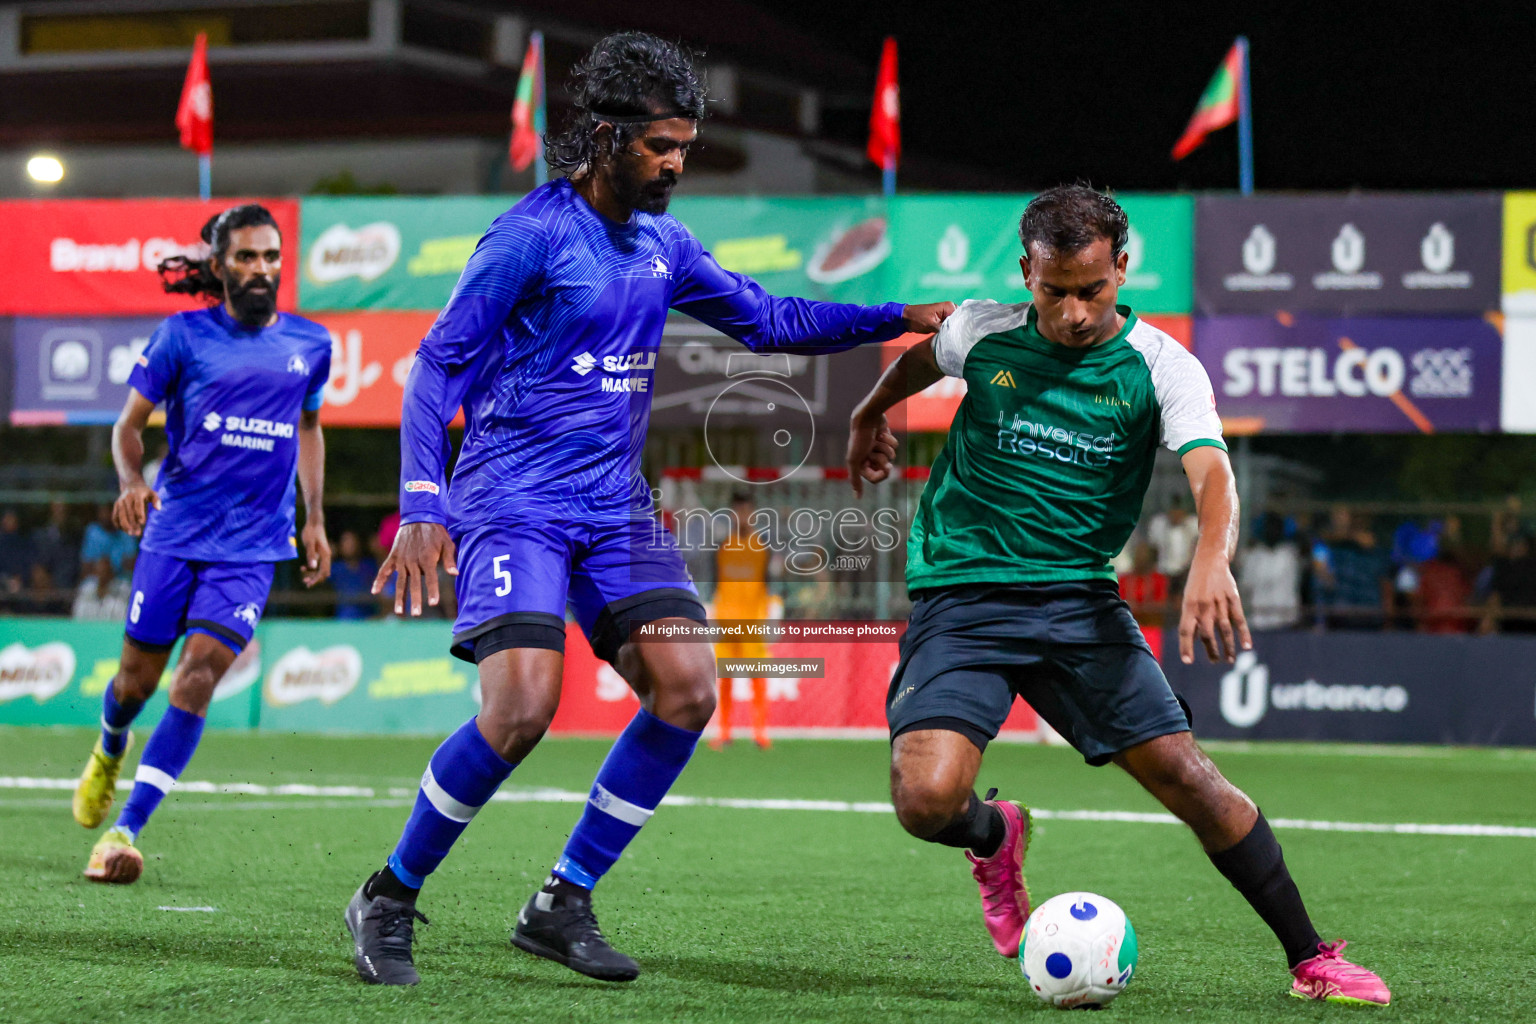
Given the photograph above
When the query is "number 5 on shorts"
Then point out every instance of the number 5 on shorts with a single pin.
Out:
(504, 586)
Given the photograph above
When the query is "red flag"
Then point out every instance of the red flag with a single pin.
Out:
(194, 114)
(528, 107)
(885, 118)
(1219, 106)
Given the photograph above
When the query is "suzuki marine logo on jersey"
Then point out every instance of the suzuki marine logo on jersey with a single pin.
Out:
(247, 431)
(659, 267)
(620, 372)
(584, 364)
(1003, 379)
(296, 364)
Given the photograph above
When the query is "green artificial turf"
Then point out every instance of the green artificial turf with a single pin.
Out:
(742, 914)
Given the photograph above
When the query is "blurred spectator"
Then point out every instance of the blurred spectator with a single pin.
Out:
(388, 527)
(102, 595)
(43, 597)
(103, 540)
(1513, 589)
(352, 575)
(1443, 593)
(448, 604)
(1173, 533)
(1269, 577)
(1144, 588)
(1351, 575)
(1507, 525)
(15, 553)
(55, 549)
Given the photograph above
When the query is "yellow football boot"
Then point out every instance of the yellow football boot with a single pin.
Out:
(98, 785)
(114, 860)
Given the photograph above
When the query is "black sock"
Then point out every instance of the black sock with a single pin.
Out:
(563, 889)
(980, 828)
(384, 883)
(1256, 867)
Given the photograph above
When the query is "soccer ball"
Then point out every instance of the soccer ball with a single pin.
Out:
(1079, 951)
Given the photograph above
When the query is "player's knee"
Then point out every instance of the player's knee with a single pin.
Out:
(687, 702)
(924, 806)
(192, 688)
(515, 728)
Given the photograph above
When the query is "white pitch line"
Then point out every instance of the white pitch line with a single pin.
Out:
(192, 910)
(566, 796)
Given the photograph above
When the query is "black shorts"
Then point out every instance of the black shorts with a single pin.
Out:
(1072, 650)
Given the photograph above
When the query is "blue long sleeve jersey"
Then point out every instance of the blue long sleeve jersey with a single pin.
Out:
(549, 345)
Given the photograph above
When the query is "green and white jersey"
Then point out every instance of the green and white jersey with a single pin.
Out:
(1050, 453)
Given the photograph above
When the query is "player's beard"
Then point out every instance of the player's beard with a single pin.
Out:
(255, 301)
(646, 196)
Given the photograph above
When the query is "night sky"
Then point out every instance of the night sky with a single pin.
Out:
(1364, 95)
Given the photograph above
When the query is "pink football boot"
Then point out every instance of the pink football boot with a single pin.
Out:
(1004, 898)
(1329, 976)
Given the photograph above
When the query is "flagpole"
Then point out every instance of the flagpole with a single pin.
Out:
(889, 174)
(205, 176)
(1244, 125)
(540, 170)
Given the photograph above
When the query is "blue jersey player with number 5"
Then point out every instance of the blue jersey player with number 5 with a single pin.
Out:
(548, 345)
(241, 384)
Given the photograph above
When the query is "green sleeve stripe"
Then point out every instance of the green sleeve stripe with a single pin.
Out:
(1203, 442)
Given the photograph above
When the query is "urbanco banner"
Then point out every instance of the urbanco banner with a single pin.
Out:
(1348, 254)
(85, 257)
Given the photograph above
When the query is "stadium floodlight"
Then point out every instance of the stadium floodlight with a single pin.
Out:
(45, 169)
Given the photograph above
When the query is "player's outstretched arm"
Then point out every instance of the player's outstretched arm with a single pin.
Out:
(1212, 606)
(317, 549)
(871, 442)
(129, 512)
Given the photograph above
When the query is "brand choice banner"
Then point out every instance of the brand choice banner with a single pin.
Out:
(967, 247)
(1348, 254)
(1366, 688)
(1318, 375)
(1520, 253)
(79, 257)
(389, 253)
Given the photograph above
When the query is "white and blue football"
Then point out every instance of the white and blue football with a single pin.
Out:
(1079, 951)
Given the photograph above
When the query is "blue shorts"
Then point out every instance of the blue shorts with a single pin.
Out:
(516, 580)
(172, 596)
(1073, 651)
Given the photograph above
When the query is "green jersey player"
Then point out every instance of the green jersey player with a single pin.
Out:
(1041, 481)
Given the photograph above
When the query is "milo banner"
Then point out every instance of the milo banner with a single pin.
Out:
(1387, 375)
(389, 253)
(967, 247)
(1360, 687)
(1351, 255)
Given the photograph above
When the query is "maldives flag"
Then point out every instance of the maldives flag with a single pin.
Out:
(885, 118)
(528, 106)
(194, 114)
(1219, 105)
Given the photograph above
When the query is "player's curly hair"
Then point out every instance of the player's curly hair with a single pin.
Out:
(186, 276)
(1068, 218)
(627, 74)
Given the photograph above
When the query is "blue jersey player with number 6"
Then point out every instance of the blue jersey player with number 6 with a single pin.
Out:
(241, 384)
(548, 345)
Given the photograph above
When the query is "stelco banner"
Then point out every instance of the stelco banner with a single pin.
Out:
(389, 253)
(1366, 688)
(1348, 254)
(964, 247)
(79, 257)
(1317, 375)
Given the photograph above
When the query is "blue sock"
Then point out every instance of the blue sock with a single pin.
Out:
(165, 757)
(116, 716)
(463, 774)
(641, 767)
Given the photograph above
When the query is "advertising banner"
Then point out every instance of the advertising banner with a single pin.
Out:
(1318, 375)
(1517, 412)
(1366, 688)
(961, 247)
(391, 252)
(826, 247)
(83, 257)
(934, 408)
(1352, 255)
(371, 356)
(75, 369)
(1520, 253)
